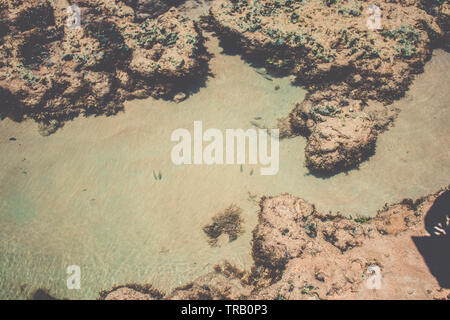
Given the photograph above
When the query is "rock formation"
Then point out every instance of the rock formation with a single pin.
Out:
(300, 253)
(353, 71)
(51, 72)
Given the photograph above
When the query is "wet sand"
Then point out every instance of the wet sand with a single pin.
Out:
(87, 196)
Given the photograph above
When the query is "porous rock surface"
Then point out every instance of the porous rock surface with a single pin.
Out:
(352, 71)
(51, 72)
(300, 253)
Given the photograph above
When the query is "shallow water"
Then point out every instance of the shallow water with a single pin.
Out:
(87, 196)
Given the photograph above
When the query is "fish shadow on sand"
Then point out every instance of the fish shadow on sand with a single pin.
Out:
(435, 249)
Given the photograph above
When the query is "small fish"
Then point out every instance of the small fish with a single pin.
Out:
(257, 118)
(261, 71)
(255, 124)
(242, 169)
(251, 172)
(160, 175)
(154, 175)
(164, 250)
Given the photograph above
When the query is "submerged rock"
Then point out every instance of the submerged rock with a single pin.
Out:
(46, 129)
(180, 97)
(228, 222)
(131, 291)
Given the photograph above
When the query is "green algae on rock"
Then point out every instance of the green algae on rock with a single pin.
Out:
(345, 66)
(290, 264)
(49, 72)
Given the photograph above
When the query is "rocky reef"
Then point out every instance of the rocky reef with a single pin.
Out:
(51, 72)
(300, 253)
(128, 49)
(353, 70)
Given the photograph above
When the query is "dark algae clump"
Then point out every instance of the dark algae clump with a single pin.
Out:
(227, 222)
